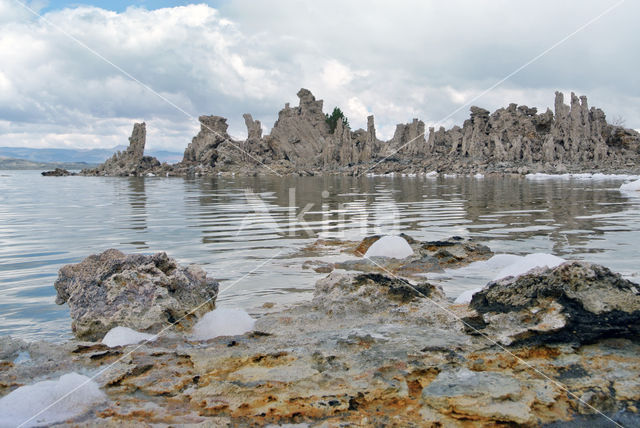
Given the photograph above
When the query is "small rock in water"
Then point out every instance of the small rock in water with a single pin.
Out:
(223, 322)
(390, 246)
(58, 172)
(122, 336)
(70, 396)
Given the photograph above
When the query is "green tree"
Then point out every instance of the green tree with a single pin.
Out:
(333, 119)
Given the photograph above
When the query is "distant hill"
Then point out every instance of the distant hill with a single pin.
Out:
(89, 156)
(11, 163)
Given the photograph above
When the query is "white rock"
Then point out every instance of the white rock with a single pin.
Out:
(19, 406)
(390, 246)
(222, 322)
(122, 336)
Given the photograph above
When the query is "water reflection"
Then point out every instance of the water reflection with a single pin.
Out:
(137, 219)
(231, 225)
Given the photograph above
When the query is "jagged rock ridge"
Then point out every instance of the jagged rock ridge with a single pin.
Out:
(512, 139)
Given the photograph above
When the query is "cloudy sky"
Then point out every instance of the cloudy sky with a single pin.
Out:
(397, 60)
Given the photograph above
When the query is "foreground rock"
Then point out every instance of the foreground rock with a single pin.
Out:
(574, 302)
(515, 140)
(131, 162)
(145, 293)
(368, 350)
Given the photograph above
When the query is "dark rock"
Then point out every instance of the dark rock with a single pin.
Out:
(574, 302)
(58, 172)
(145, 293)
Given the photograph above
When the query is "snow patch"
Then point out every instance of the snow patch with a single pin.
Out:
(390, 246)
(581, 176)
(528, 262)
(501, 266)
(18, 406)
(222, 322)
(122, 336)
(633, 186)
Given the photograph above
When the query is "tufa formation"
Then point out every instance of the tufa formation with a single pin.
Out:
(515, 139)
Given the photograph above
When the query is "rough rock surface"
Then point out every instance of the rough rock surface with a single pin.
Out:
(574, 302)
(515, 139)
(341, 293)
(131, 162)
(145, 293)
(357, 354)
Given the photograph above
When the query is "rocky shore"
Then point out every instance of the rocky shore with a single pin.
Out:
(513, 140)
(377, 347)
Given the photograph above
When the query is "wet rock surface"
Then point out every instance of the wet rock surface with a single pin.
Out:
(512, 140)
(145, 293)
(574, 302)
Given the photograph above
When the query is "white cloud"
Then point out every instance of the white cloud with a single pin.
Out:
(336, 75)
(424, 59)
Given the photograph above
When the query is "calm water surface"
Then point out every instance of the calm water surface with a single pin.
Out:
(239, 229)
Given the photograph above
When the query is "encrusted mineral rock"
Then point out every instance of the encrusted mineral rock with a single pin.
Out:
(341, 293)
(131, 162)
(145, 293)
(574, 302)
(515, 139)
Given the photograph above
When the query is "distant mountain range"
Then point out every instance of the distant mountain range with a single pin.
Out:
(88, 156)
(12, 163)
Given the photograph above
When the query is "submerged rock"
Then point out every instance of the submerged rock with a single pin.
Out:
(574, 302)
(145, 293)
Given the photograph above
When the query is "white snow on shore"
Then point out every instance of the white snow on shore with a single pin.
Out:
(20, 405)
(633, 186)
(581, 176)
(501, 266)
(122, 336)
(390, 246)
(222, 322)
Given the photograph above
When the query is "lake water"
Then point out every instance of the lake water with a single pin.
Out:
(247, 231)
